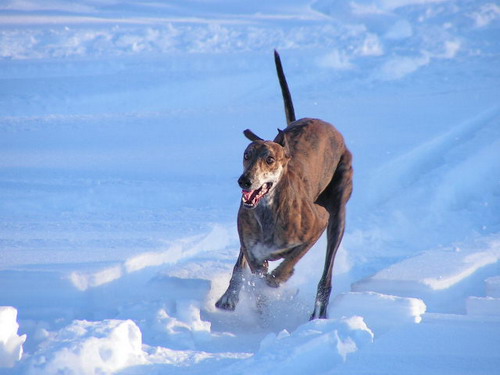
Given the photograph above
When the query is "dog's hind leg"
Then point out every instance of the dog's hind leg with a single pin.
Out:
(230, 298)
(334, 199)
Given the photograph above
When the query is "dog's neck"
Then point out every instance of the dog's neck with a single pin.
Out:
(277, 213)
(276, 202)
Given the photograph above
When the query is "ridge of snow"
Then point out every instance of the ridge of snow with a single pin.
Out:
(436, 269)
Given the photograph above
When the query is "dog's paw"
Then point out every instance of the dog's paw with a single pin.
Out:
(320, 311)
(227, 302)
(272, 280)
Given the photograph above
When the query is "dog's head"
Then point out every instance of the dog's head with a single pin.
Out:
(264, 162)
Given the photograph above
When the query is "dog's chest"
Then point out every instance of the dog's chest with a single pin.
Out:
(268, 238)
(263, 252)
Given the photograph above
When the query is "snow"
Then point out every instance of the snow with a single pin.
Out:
(380, 311)
(314, 347)
(11, 344)
(436, 275)
(120, 146)
(89, 348)
(439, 345)
(483, 306)
(449, 270)
(493, 286)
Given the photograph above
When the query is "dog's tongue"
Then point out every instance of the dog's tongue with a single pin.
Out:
(251, 198)
(247, 195)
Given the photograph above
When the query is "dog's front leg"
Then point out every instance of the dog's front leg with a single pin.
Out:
(285, 270)
(230, 298)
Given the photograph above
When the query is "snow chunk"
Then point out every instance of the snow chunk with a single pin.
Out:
(185, 330)
(89, 348)
(315, 347)
(11, 344)
(381, 312)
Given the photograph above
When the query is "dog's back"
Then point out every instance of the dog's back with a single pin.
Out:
(315, 147)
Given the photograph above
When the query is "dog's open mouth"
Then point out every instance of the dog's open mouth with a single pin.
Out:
(251, 198)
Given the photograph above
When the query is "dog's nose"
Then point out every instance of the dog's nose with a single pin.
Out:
(244, 182)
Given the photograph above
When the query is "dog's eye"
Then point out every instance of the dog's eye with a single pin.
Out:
(246, 155)
(270, 160)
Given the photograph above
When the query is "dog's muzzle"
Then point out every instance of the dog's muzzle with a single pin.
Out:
(251, 198)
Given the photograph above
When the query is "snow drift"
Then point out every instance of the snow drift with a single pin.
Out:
(90, 348)
(11, 344)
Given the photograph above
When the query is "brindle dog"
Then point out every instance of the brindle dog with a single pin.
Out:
(294, 188)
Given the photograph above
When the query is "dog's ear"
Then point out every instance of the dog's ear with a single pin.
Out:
(252, 136)
(281, 140)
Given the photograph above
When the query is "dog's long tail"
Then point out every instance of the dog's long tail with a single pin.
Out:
(287, 98)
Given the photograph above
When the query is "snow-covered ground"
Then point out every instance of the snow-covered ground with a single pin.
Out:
(120, 143)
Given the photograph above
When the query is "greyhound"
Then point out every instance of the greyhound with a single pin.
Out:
(293, 188)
